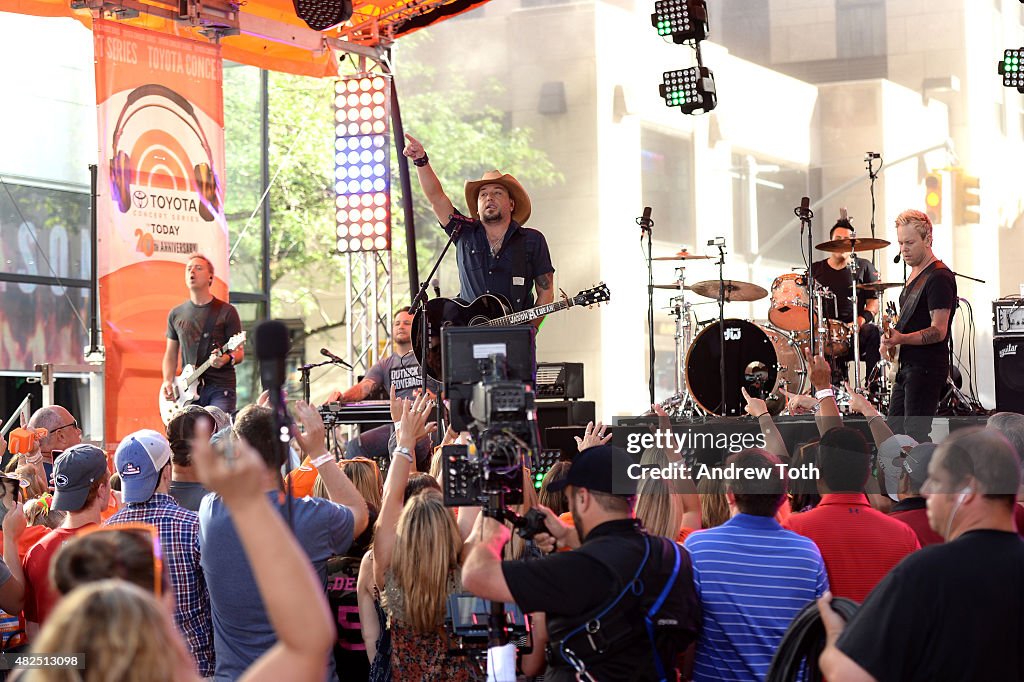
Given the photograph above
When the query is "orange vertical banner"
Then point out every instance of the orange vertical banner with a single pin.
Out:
(160, 109)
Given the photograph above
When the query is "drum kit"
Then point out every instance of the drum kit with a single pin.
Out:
(764, 358)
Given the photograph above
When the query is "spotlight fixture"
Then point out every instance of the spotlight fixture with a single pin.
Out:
(682, 19)
(362, 163)
(320, 15)
(1011, 68)
(691, 89)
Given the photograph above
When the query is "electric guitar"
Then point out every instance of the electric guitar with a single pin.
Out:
(186, 384)
(892, 356)
(487, 310)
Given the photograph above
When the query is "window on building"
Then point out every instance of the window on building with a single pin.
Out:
(763, 202)
(860, 28)
(666, 179)
(744, 28)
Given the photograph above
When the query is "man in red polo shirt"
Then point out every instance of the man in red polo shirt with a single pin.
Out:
(858, 543)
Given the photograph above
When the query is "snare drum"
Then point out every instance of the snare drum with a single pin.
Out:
(790, 302)
(759, 359)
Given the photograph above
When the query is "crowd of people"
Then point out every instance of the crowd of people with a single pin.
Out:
(190, 554)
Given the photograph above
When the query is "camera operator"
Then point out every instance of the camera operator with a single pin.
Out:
(610, 583)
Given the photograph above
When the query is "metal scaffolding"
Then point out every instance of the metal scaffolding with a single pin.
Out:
(368, 305)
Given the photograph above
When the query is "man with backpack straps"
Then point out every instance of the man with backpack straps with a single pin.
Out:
(622, 605)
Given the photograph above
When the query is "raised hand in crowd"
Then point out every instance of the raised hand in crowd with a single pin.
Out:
(799, 403)
(880, 430)
(311, 437)
(755, 407)
(290, 590)
(592, 435)
(758, 408)
(412, 425)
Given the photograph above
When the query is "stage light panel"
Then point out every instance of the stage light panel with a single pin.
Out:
(362, 170)
(682, 19)
(691, 89)
(1011, 68)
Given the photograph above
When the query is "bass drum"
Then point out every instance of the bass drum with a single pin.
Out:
(757, 359)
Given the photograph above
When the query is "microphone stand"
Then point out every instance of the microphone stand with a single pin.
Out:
(646, 225)
(805, 215)
(304, 376)
(873, 176)
(721, 322)
(419, 307)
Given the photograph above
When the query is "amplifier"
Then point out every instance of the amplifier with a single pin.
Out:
(1008, 359)
(1008, 316)
(561, 380)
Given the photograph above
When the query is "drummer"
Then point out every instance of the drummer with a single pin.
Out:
(834, 273)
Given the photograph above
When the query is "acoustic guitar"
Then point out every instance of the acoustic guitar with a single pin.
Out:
(490, 310)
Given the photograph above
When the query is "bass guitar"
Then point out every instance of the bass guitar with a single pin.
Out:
(186, 384)
(891, 356)
(487, 310)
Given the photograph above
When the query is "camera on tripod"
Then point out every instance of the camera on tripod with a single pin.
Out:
(489, 377)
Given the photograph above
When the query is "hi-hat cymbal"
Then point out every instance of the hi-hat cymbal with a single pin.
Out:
(674, 286)
(683, 255)
(878, 286)
(734, 290)
(852, 244)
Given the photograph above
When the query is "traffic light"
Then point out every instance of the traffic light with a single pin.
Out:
(968, 199)
(933, 197)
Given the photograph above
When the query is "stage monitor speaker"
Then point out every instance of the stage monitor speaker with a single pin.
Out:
(1008, 358)
(563, 413)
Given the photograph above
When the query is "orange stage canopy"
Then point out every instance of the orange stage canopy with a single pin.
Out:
(264, 33)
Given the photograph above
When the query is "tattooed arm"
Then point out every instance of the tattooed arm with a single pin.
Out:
(545, 292)
(936, 333)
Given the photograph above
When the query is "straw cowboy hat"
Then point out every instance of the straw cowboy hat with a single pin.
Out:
(521, 210)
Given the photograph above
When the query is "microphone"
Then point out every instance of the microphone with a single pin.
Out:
(872, 155)
(896, 259)
(334, 358)
(436, 284)
(805, 205)
(272, 344)
(645, 222)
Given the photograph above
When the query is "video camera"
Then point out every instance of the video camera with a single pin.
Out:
(489, 376)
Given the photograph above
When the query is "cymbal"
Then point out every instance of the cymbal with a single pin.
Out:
(683, 255)
(674, 286)
(878, 286)
(734, 290)
(854, 244)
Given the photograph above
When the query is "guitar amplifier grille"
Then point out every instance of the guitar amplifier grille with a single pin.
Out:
(561, 380)
(1008, 357)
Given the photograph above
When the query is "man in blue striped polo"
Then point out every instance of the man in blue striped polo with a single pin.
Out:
(752, 576)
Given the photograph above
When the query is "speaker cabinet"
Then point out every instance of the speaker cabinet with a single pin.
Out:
(1008, 358)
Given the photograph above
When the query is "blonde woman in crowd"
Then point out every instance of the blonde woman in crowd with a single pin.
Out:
(415, 583)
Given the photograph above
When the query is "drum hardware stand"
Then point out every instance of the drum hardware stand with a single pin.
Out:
(856, 318)
(682, 403)
(805, 214)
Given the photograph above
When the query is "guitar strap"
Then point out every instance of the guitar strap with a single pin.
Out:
(914, 297)
(520, 281)
(217, 307)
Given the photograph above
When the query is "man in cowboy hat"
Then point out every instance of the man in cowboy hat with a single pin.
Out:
(495, 253)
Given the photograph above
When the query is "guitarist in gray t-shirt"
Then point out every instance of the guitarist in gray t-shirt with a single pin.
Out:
(195, 336)
(401, 370)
